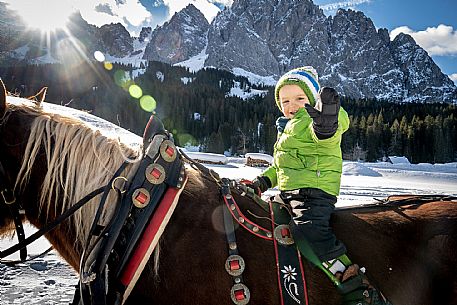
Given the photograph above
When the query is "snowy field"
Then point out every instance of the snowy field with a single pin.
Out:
(49, 280)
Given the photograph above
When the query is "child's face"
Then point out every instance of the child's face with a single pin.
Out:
(292, 98)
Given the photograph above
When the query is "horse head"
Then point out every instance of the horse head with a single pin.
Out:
(52, 159)
(14, 132)
(6, 222)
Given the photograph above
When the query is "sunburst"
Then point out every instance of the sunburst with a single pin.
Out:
(44, 15)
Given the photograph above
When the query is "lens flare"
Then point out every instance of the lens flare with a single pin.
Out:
(121, 78)
(148, 103)
(108, 66)
(185, 138)
(99, 56)
(135, 91)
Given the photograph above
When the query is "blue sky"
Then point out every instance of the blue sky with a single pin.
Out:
(433, 24)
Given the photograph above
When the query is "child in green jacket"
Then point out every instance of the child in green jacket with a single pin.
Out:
(307, 170)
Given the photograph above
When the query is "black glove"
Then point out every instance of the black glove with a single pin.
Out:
(260, 184)
(325, 113)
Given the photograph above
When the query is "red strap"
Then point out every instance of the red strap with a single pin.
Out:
(148, 235)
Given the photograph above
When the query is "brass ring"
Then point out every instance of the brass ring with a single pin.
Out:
(114, 181)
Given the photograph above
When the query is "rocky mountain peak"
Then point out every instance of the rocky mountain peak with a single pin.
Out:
(422, 77)
(182, 37)
(269, 37)
(117, 39)
(189, 11)
(145, 32)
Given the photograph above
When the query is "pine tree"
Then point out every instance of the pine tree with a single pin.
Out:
(215, 143)
(395, 148)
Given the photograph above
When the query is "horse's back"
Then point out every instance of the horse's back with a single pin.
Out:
(408, 250)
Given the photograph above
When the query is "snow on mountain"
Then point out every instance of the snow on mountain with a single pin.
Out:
(244, 93)
(254, 78)
(196, 62)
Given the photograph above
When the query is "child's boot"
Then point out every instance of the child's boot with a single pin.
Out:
(357, 290)
(352, 283)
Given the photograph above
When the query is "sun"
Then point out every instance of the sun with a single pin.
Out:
(44, 15)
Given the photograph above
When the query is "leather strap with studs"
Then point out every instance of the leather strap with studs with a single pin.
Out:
(234, 265)
(241, 218)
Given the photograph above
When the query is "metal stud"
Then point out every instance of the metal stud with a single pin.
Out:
(168, 150)
(234, 265)
(141, 197)
(283, 236)
(232, 246)
(241, 219)
(228, 196)
(255, 229)
(240, 294)
(155, 173)
(232, 207)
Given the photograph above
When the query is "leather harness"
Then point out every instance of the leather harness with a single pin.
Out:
(116, 252)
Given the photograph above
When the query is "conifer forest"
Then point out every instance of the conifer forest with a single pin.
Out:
(198, 110)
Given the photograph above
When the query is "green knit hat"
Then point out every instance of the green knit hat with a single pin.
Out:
(306, 78)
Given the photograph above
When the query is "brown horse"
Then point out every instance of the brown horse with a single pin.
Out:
(54, 160)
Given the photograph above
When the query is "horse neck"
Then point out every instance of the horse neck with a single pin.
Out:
(59, 167)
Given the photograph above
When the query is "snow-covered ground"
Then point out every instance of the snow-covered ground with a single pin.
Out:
(49, 280)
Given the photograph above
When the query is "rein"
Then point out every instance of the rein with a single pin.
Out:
(9, 199)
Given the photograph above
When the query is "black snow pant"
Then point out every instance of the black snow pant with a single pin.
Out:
(311, 210)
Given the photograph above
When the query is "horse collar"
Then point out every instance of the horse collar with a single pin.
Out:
(116, 252)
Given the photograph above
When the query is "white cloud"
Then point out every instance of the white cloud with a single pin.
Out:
(453, 77)
(208, 9)
(223, 2)
(101, 12)
(337, 5)
(441, 40)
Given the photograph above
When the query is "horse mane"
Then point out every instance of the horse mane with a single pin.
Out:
(79, 160)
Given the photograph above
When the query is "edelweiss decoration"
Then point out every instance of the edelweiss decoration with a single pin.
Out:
(289, 282)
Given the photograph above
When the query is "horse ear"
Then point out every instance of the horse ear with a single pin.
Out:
(2, 99)
(40, 96)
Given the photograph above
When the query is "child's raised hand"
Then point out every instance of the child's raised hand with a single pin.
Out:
(325, 113)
